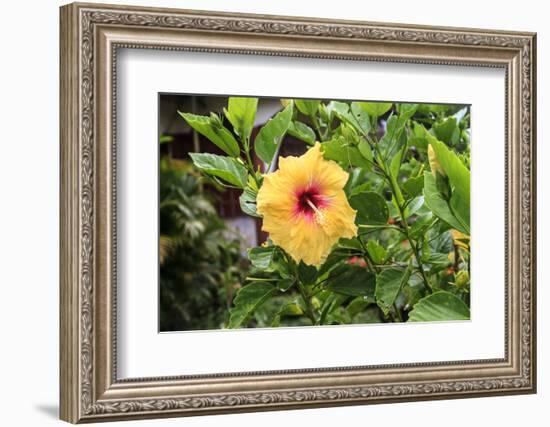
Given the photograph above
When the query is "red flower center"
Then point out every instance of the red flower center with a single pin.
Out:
(309, 201)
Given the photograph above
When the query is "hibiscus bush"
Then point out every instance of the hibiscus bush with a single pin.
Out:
(370, 224)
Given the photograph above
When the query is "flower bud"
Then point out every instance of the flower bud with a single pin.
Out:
(435, 166)
(462, 279)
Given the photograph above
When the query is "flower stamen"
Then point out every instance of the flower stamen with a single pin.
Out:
(319, 216)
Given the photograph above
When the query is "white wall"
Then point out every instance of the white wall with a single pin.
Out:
(29, 170)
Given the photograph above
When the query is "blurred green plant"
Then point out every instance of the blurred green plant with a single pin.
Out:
(201, 266)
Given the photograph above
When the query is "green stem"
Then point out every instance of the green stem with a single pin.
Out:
(406, 231)
(380, 227)
(415, 252)
(398, 312)
(303, 293)
(309, 307)
(250, 165)
(368, 260)
(317, 127)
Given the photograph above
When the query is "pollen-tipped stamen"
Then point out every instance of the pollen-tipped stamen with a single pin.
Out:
(319, 216)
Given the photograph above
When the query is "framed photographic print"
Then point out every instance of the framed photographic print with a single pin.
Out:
(265, 212)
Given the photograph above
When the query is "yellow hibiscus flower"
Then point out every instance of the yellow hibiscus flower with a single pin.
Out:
(304, 207)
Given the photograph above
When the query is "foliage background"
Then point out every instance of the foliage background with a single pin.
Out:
(409, 182)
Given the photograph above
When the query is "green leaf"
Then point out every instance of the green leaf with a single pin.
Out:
(414, 205)
(442, 243)
(357, 305)
(307, 106)
(262, 256)
(446, 130)
(307, 273)
(357, 121)
(418, 142)
(214, 131)
(407, 109)
(285, 284)
(458, 173)
(392, 141)
(375, 109)
(222, 167)
(437, 259)
(165, 139)
(302, 131)
(421, 225)
(241, 113)
(371, 208)
(414, 186)
(247, 200)
(344, 153)
(351, 280)
(439, 306)
(377, 252)
(388, 285)
(438, 205)
(331, 262)
(365, 150)
(248, 299)
(395, 165)
(361, 117)
(461, 210)
(289, 309)
(271, 134)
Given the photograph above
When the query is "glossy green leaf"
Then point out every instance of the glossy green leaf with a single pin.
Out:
(395, 165)
(371, 208)
(241, 113)
(439, 306)
(360, 122)
(437, 259)
(414, 206)
(351, 280)
(365, 150)
(344, 153)
(214, 131)
(391, 141)
(271, 134)
(308, 107)
(388, 284)
(407, 109)
(446, 130)
(362, 117)
(302, 131)
(285, 284)
(247, 201)
(458, 173)
(414, 186)
(358, 304)
(377, 252)
(248, 299)
(376, 109)
(226, 168)
(289, 309)
(420, 143)
(461, 210)
(262, 256)
(438, 205)
(331, 262)
(421, 225)
(307, 273)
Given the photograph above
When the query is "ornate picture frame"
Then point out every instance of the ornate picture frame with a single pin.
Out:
(90, 37)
